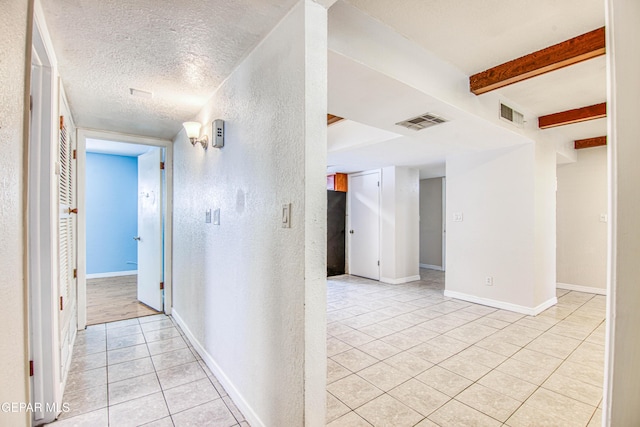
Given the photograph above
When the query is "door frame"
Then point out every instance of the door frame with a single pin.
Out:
(42, 240)
(349, 216)
(83, 135)
(444, 223)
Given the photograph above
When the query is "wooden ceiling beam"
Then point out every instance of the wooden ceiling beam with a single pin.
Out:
(568, 52)
(590, 142)
(331, 119)
(577, 115)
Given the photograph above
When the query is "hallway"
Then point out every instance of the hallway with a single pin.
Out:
(405, 355)
(398, 355)
(143, 371)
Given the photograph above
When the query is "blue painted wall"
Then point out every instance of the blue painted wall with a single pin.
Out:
(112, 213)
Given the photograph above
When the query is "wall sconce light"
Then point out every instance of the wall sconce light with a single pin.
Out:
(193, 133)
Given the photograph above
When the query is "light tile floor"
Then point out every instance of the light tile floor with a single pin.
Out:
(398, 355)
(404, 355)
(143, 371)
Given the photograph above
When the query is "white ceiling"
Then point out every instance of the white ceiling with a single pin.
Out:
(571, 87)
(181, 51)
(374, 103)
(116, 148)
(473, 36)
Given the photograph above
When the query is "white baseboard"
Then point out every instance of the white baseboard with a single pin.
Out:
(236, 396)
(432, 267)
(400, 281)
(530, 311)
(112, 274)
(580, 288)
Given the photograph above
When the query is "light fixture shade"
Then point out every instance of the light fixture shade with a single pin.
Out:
(193, 129)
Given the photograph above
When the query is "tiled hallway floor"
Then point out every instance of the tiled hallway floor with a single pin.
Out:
(398, 355)
(404, 355)
(142, 372)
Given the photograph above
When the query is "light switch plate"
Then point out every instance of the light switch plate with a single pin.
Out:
(216, 217)
(604, 217)
(286, 215)
(207, 216)
(457, 217)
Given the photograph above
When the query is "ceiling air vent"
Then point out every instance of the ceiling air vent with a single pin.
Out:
(509, 114)
(422, 121)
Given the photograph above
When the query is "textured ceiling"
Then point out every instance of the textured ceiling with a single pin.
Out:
(179, 50)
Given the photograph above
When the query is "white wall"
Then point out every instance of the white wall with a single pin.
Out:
(399, 236)
(251, 293)
(622, 377)
(581, 236)
(545, 222)
(431, 222)
(13, 346)
(495, 191)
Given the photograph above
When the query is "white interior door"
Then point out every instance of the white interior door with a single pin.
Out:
(67, 230)
(364, 225)
(150, 229)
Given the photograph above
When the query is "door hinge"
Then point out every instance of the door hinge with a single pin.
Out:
(61, 122)
(30, 368)
(378, 263)
(378, 183)
(30, 102)
(75, 154)
(75, 273)
(161, 285)
(61, 304)
(161, 165)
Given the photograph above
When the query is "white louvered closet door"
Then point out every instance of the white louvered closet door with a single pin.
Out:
(67, 242)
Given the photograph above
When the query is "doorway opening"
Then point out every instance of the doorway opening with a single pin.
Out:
(337, 186)
(124, 187)
(118, 176)
(433, 223)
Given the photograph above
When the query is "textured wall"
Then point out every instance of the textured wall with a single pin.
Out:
(431, 221)
(112, 213)
(494, 191)
(13, 353)
(582, 237)
(251, 292)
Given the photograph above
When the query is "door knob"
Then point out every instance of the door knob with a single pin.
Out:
(137, 238)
